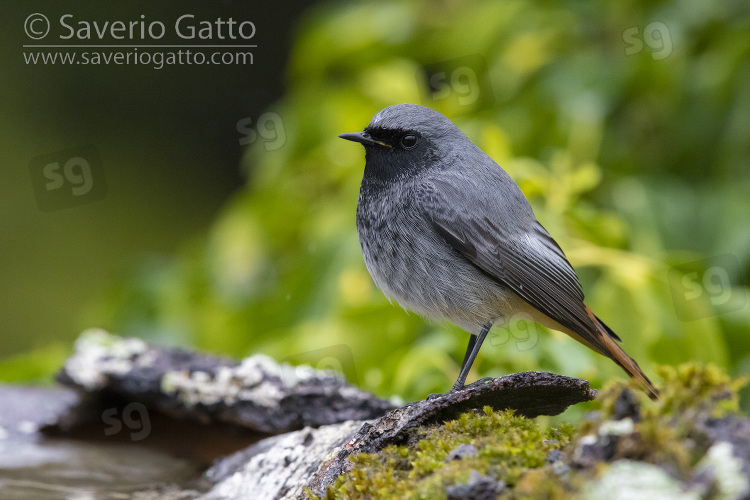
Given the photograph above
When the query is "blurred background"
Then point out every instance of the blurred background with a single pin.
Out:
(219, 204)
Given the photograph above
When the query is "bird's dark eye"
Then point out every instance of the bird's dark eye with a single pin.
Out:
(408, 141)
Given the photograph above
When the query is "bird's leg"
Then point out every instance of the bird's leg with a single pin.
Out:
(475, 343)
(469, 348)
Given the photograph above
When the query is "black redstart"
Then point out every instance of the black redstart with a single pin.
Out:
(447, 234)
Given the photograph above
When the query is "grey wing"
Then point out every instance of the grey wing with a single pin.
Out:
(522, 257)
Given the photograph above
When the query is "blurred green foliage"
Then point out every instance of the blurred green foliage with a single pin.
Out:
(636, 163)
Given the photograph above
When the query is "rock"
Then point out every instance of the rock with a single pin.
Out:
(700, 456)
(627, 479)
(479, 487)
(555, 456)
(461, 451)
(733, 430)
(278, 467)
(626, 406)
(530, 393)
(26, 410)
(322, 420)
(259, 394)
(255, 393)
(726, 465)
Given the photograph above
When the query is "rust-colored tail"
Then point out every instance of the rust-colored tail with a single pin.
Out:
(600, 338)
(607, 346)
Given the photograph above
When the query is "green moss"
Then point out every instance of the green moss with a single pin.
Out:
(692, 388)
(666, 432)
(510, 448)
(507, 446)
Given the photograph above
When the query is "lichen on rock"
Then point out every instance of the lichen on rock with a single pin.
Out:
(255, 393)
(99, 354)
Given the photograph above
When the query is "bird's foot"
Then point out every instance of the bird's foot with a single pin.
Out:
(436, 395)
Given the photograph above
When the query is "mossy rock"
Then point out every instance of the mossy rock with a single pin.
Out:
(692, 443)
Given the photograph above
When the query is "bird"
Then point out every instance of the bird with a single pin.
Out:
(446, 233)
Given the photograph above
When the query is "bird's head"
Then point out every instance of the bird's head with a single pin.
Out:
(404, 140)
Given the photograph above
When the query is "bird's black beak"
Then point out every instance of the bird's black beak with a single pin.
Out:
(363, 138)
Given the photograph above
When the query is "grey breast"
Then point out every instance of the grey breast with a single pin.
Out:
(414, 266)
